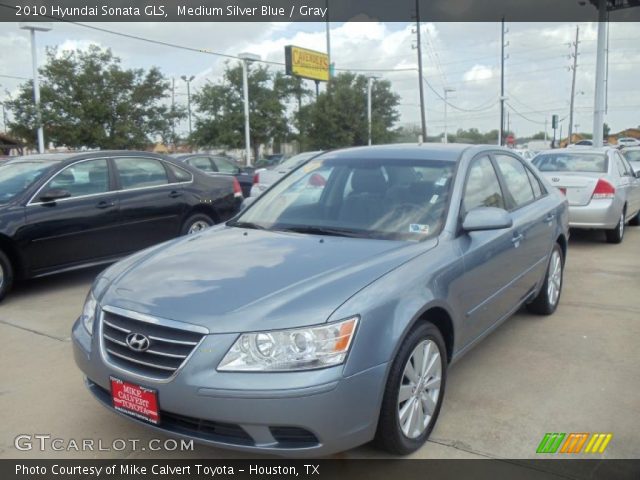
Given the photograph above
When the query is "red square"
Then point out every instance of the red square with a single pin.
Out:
(135, 400)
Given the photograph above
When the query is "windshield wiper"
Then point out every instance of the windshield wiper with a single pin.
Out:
(316, 230)
(252, 225)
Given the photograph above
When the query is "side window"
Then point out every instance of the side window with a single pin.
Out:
(535, 184)
(224, 165)
(140, 172)
(516, 178)
(621, 165)
(84, 178)
(201, 163)
(482, 188)
(180, 173)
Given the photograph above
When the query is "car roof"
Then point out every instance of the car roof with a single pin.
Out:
(578, 151)
(410, 151)
(69, 157)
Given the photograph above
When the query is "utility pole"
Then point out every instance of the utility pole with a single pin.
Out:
(423, 117)
(246, 58)
(33, 27)
(328, 27)
(369, 90)
(446, 102)
(599, 97)
(573, 82)
(173, 110)
(188, 80)
(502, 45)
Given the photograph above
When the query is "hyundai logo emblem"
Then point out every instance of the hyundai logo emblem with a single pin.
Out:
(555, 179)
(137, 342)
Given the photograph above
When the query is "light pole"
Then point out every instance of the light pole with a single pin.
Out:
(447, 90)
(246, 58)
(188, 80)
(369, 88)
(599, 97)
(34, 27)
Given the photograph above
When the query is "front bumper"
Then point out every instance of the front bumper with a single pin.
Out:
(297, 414)
(600, 214)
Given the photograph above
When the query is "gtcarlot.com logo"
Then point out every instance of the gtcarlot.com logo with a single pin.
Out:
(574, 443)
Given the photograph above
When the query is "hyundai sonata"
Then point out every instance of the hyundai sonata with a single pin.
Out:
(328, 312)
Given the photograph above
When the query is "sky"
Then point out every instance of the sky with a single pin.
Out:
(464, 57)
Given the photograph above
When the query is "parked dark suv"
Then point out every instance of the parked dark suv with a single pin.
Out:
(66, 211)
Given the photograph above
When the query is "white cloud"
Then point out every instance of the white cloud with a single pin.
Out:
(478, 73)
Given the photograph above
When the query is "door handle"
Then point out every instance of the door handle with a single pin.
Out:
(105, 204)
(517, 238)
(175, 194)
(549, 218)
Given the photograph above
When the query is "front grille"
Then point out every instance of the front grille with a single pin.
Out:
(293, 437)
(168, 347)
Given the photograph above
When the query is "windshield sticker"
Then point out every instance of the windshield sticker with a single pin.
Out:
(418, 228)
(442, 181)
(434, 199)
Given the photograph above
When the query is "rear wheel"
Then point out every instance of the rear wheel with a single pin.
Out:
(617, 234)
(196, 223)
(549, 296)
(6, 275)
(414, 391)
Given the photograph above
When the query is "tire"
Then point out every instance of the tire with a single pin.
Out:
(635, 221)
(6, 275)
(392, 434)
(549, 296)
(617, 234)
(196, 223)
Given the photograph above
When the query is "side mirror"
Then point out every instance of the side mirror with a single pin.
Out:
(486, 218)
(636, 173)
(54, 194)
(246, 202)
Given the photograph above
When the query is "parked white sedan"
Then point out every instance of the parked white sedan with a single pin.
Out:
(602, 189)
(264, 178)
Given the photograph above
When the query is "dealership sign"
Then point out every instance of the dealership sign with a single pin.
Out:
(306, 63)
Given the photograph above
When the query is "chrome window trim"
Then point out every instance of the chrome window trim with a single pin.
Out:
(31, 202)
(149, 319)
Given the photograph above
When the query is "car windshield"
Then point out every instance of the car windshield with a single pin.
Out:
(17, 177)
(368, 198)
(632, 155)
(574, 162)
(296, 160)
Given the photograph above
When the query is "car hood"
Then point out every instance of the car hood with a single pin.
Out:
(232, 279)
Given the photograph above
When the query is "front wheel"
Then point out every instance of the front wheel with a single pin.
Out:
(196, 223)
(549, 296)
(414, 391)
(6, 275)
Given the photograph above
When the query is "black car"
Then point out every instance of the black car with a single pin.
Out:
(66, 211)
(218, 164)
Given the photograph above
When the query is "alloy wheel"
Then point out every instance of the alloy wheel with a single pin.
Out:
(621, 225)
(197, 226)
(554, 282)
(419, 389)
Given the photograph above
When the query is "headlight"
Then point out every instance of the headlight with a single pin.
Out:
(89, 312)
(286, 350)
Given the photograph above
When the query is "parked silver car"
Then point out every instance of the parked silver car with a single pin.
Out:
(602, 188)
(311, 324)
(264, 178)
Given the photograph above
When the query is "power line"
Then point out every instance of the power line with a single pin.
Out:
(455, 107)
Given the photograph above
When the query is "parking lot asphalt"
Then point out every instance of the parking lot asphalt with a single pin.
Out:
(575, 371)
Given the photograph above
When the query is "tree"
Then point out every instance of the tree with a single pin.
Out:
(606, 130)
(220, 119)
(89, 100)
(538, 136)
(338, 117)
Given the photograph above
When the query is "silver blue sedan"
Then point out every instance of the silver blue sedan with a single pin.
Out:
(602, 188)
(328, 312)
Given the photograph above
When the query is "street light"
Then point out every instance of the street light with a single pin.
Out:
(447, 90)
(188, 80)
(246, 58)
(369, 88)
(34, 27)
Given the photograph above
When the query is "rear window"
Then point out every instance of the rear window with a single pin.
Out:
(573, 162)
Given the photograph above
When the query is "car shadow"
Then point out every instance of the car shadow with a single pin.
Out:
(53, 283)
